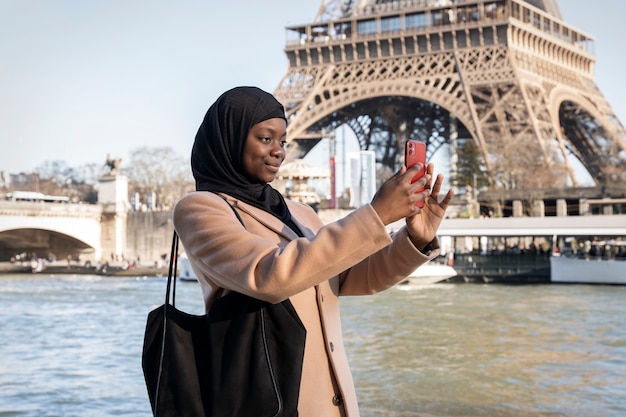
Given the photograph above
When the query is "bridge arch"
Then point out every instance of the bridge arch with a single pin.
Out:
(43, 243)
(59, 228)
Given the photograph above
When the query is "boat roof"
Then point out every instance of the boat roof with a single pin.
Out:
(614, 225)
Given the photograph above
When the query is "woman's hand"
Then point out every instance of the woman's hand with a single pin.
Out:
(397, 197)
(423, 225)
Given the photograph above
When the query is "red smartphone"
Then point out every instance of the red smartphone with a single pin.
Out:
(415, 152)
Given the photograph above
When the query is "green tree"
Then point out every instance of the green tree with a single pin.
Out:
(470, 167)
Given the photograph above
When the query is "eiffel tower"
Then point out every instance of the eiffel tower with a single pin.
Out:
(509, 75)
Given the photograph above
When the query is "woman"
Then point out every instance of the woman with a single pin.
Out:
(283, 250)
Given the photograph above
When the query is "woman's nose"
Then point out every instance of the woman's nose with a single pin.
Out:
(278, 150)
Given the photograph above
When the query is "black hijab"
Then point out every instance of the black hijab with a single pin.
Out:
(217, 154)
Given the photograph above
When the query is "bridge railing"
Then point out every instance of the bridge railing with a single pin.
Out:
(27, 208)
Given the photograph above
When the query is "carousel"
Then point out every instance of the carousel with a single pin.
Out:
(294, 177)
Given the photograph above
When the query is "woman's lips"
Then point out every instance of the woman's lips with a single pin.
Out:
(273, 168)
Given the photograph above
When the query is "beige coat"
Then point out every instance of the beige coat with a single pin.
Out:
(353, 256)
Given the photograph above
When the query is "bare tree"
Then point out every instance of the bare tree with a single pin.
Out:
(58, 178)
(159, 170)
(518, 166)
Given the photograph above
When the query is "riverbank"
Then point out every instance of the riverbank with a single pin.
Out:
(120, 270)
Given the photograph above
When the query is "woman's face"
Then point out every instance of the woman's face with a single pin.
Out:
(264, 150)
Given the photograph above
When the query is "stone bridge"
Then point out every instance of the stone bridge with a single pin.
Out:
(44, 228)
(93, 232)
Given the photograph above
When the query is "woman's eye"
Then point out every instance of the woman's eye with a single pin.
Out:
(284, 143)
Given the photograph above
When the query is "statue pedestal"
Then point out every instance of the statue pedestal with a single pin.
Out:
(113, 193)
(113, 197)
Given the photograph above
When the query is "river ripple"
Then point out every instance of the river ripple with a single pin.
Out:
(71, 346)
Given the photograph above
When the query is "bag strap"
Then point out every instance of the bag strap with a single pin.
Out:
(171, 285)
(171, 274)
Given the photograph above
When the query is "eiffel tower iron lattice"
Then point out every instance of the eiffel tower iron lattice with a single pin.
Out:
(509, 75)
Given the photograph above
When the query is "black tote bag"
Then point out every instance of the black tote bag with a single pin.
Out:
(242, 359)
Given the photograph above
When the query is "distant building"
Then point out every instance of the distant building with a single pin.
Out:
(362, 177)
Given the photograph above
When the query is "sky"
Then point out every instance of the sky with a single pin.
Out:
(83, 79)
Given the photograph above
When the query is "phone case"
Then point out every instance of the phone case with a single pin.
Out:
(415, 152)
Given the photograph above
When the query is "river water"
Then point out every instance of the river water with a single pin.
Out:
(70, 346)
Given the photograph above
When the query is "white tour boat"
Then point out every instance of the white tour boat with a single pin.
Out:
(185, 273)
(431, 273)
(603, 262)
(428, 273)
